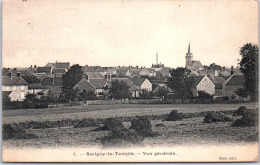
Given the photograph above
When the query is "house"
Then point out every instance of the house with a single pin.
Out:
(53, 84)
(163, 73)
(218, 81)
(111, 70)
(59, 68)
(44, 70)
(84, 85)
(142, 84)
(38, 89)
(59, 65)
(133, 72)
(132, 88)
(96, 85)
(190, 64)
(58, 72)
(202, 83)
(157, 67)
(121, 71)
(16, 85)
(147, 72)
(223, 73)
(233, 83)
(96, 69)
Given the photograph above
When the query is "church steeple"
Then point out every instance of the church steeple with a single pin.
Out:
(189, 58)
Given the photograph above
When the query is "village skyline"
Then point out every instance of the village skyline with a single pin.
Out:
(128, 33)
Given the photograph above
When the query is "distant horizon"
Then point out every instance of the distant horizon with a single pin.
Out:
(112, 33)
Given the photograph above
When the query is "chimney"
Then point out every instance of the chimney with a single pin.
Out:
(10, 75)
(18, 74)
(52, 80)
(86, 76)
(156, 58)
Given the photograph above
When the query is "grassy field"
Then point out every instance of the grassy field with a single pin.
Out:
(187, 131)
(105, 111)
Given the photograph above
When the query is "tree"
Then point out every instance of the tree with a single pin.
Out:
(204, 95)
(119, 90)
(180, 82)
(88, 95)
(162, 92)
(249, 67)
(69, 80)
(241, 92)
(146, 95)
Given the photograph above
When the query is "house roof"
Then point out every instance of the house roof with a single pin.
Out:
(197, 80)
(92, 69)
(137, 81)
(98, 83)
(236, 80)
(164, 72)
(31, 79)
(83, 84)
(44, 69)
(62, 65)
(36, 86)
(49, 81)
(121, 71)
(94, 75)
(54, 89)
(111, 70)
(15, 80)
(157, 65)
(59, 71)
(128, 82)
(218, 81)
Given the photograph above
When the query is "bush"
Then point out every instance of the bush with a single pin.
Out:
(253, 137)
(160, 125)
(249, 119)
(111, 124)
(141, 125)
(174, 116)
(240, 111)
(121, 137)
(13, 131)
(212, 117)
(86, 123)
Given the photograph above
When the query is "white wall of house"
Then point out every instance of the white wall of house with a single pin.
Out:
(20, 90)
(147, 85)
(206, 85)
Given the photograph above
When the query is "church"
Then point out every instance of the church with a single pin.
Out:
(190, 64)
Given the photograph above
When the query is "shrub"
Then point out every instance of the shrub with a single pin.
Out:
(253, 137)
(212, 117)
(174, 116)
(86, 123)
(141, 125)
(111, 124)
(13, 131)
(160, 125)
(240, 111)
(249, 119)
(121, 137)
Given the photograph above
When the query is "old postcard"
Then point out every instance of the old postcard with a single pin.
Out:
(130, 81)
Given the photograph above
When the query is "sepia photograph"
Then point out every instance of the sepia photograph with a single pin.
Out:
(130, 81)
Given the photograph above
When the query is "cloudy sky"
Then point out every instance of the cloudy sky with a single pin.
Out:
(126, 32)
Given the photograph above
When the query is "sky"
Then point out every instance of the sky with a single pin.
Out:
(126, 32)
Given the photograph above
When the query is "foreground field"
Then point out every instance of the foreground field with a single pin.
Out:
(105, 111)
(190, 130)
